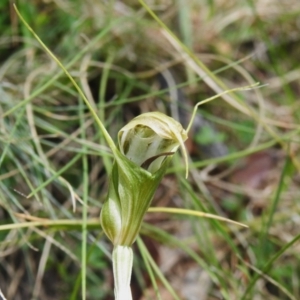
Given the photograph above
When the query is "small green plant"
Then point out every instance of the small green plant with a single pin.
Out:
(146, 145)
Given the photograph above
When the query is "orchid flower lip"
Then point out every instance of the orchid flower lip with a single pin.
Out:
(147, 162)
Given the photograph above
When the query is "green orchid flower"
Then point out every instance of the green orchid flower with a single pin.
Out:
(146, 146)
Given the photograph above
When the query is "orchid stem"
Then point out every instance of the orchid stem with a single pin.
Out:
(122, 267)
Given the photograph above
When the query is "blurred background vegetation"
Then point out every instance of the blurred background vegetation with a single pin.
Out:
(244, 147)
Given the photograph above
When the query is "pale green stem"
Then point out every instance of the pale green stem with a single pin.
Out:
(122, 257)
